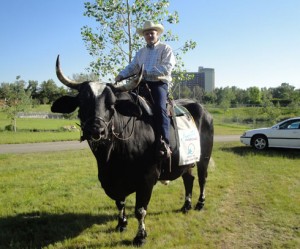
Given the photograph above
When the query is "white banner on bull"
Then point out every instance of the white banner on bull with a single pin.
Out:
(189, 140)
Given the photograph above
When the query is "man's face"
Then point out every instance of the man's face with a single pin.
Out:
(151, 36)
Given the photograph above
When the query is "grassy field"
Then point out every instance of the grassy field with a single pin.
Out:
(54, 200)
(30, 130)
(46, 136)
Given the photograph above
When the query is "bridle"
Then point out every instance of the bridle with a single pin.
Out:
(109, 127)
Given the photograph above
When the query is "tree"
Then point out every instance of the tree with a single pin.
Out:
(17, 99)
(185, 92)
(284, 91)
(209, 98)
(295, 98)
(254, 95)
(198, 93)
(33, 89)
(266, 97)
(240, 96)
(114, 41)
(85, 77)
(49, 92)
(225, 96)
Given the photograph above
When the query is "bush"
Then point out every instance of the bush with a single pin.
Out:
(9, 127)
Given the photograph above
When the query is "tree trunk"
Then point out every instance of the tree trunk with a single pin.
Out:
(15, 124)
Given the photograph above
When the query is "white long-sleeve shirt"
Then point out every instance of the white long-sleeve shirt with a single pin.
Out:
(158, 61)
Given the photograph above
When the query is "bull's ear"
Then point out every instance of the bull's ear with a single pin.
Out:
(128, 108)
(65, 104)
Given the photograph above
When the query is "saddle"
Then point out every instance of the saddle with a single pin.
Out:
(173, 109)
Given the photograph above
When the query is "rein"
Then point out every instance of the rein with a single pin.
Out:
(110, 128)
(116, 135)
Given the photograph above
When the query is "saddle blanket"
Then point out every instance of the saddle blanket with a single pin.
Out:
(189, 139)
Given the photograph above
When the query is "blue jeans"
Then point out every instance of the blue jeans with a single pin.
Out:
(159, 92)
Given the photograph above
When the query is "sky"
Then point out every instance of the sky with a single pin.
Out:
(247, 42)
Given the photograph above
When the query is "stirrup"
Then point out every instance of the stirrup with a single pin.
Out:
(164, 150)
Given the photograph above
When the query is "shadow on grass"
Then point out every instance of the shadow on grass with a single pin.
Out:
(39, 230)
(35, 230)
(270, 152)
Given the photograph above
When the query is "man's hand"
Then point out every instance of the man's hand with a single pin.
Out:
(119, 78)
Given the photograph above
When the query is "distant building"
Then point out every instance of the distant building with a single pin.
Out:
(205, 78)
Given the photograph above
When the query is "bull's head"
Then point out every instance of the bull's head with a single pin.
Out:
(97, 104)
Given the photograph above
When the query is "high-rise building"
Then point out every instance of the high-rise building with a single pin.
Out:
(205, 78)
(209, 78)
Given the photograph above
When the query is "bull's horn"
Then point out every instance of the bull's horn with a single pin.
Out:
(63, 79)
(132, 84)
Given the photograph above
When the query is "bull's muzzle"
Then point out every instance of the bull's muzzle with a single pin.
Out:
(96, 129)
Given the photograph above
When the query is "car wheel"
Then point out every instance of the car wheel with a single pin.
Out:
(260, 142)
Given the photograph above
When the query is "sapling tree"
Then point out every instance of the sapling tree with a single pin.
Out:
(113, 41)
(16, 99)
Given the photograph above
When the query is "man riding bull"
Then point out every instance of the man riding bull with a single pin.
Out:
(158, 60)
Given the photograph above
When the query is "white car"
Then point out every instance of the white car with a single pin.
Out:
(285, 134)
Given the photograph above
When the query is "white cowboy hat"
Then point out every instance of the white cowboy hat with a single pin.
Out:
(149, 25)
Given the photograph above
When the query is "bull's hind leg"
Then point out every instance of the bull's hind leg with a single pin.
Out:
(122, 219)
(188, 181)
(202, 166)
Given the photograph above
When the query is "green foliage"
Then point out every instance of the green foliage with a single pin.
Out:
(30, 93)
(284, 95)
(252, 117)
(285, 91)
(85, 77)
(254, 95)
(16, 99)
(114, 41)
(49, 92)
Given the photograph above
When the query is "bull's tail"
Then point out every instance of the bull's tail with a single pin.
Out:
(212, 164)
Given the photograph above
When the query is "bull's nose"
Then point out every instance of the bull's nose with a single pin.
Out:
(96, 129)
(98, 133)
(102, 132)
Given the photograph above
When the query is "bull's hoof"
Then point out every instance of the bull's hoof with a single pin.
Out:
(122, 225)
(199, 205)
(120, 228)
(140, 239)
(187, 206)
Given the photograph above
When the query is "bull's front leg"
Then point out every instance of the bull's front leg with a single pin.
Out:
(143, 196)
(122, 219)
(140, 238)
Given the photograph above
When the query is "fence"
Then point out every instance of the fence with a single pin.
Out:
(40, 115)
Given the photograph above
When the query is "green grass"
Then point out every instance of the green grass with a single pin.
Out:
(37, 137)
(230, 129)
(8, 137)
(54, 200)
(30, 130)
(39, 124)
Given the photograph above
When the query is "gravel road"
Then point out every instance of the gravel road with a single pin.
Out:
(74, 145)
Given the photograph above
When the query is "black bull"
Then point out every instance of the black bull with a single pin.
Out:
(121, 138)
